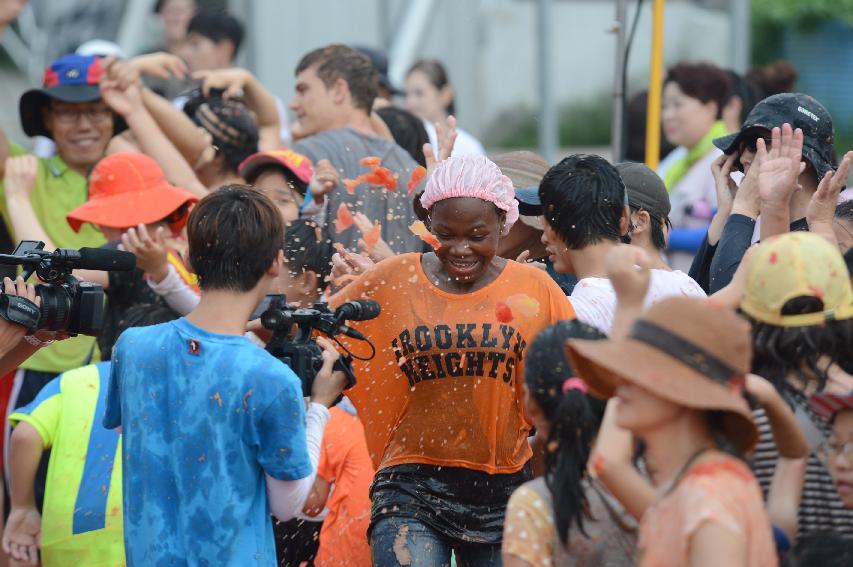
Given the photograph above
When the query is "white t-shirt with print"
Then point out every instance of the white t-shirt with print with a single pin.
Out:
(594, 299)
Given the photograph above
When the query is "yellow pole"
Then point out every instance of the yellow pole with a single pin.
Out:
(655, 87)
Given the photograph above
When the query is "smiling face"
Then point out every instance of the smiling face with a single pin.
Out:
(81, 131)
(469, 230)
(274, 184)
(685, 119)
(557, 251)
(317, 106)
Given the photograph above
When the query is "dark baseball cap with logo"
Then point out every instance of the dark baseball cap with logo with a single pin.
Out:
(800, 111)
(71, 78)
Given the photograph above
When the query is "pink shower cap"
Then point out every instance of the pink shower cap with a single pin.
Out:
(472, 176)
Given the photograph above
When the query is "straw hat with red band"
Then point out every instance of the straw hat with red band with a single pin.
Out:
(297, 164)
(127, 189)
(684, 350)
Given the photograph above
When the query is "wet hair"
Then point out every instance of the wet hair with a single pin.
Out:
(745, 91)
(229, 122)
(338, 61)
(408, 131)
(235, 234)
(778, 351)
(304, 252)
(583, 198)
(774, 78)
(217, 26)
(437, 75)
(145, 315)
(574, 419)
(702, 81)
(844, 211)
(818, 549)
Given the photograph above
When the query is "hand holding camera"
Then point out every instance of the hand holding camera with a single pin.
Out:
(329, 383)
(11, 333)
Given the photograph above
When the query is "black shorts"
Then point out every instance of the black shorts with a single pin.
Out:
(459, 503)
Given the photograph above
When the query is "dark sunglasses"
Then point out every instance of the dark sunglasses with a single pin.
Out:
(751, 143)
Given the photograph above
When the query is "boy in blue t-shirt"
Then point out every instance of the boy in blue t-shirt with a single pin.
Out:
(215, 431)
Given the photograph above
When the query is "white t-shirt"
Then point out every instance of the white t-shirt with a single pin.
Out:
(594, 299)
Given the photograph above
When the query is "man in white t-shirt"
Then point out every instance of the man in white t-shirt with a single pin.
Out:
(587, 213)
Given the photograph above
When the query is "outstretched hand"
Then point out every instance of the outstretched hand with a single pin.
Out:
(323, 181)
(780, 168)
(161, 65)
(724, 184)
(152, 253)
(121, 88)
(821, 209)
(446, 138)
(329, 383)
(231, 81)
(20, 175)
(628, 268)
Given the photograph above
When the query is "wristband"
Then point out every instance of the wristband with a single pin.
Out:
(36, 342)
(19, 310)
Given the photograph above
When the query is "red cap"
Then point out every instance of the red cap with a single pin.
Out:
(298, 164)
(127, 189)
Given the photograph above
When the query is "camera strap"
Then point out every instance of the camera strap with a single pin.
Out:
(19, 310)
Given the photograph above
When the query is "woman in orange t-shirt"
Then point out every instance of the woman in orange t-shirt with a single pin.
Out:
(442, 402)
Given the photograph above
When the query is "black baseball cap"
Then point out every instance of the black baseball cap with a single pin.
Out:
(71, 78)
(800, 111)
(646, 189)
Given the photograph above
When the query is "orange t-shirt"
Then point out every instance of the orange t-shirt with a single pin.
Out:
(445, 386)
(345, 463)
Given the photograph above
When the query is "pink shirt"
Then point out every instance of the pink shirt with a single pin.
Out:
(723, 491)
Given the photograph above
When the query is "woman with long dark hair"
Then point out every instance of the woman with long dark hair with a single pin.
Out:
(564, 517)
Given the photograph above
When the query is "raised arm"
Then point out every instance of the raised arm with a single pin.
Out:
(820, 213)
(122, 91)
(235, 82)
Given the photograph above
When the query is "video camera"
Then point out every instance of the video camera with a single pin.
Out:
(300, 350)
(67, 304)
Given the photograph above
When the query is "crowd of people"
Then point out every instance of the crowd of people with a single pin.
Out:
(580, 363)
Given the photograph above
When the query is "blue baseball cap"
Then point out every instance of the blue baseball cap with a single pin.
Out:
(71, 78)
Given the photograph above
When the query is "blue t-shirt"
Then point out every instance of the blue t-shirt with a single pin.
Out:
(203, 417)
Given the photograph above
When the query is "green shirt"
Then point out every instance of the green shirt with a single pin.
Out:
(58, 191)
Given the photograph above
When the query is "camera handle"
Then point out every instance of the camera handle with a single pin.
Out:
(19, 310)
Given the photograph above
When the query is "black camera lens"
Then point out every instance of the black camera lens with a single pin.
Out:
(55, 307)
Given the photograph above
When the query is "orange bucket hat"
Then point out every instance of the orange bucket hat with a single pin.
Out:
(127, 189)
(684, 350)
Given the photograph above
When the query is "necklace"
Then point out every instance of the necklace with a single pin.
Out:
(684, 468)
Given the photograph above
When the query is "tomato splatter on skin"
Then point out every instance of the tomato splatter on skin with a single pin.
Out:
(774, 257)
(419, 229)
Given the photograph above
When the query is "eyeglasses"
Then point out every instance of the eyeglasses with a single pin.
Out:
(71, 114)
(829, 450)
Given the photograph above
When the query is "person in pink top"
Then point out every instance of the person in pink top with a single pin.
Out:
(678, 375)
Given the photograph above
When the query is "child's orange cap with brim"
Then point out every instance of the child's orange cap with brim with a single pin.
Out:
(127, 189)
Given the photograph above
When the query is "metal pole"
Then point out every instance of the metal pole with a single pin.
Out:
(618, 84)
(655, 87)
(407, 38)
(547, 113)
(740, 14)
